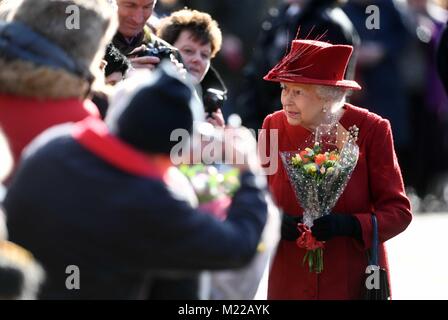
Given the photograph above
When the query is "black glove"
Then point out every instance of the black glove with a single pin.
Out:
(289, 230)
(333, 225)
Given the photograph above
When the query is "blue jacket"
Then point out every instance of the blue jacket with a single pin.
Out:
(85, 202)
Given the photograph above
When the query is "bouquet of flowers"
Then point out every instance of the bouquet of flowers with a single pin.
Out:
(319, 174)
(214, 187)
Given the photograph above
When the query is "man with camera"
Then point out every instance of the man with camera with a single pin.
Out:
(136, 40)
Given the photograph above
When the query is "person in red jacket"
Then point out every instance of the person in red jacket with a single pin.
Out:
(48, 61)
(313, 91)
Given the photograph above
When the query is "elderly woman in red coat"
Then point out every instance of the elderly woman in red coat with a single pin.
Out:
(314, 90)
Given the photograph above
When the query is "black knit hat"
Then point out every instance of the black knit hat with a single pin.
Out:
(154, 108)
(116, 61)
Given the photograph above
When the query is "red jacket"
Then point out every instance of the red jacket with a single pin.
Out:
(376, 186)
(22, 119)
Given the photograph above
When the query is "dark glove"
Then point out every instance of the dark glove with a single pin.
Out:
(289, 230)
(334, 225)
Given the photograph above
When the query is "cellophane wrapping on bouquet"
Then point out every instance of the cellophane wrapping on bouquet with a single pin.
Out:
(319, 172)
(214, 187)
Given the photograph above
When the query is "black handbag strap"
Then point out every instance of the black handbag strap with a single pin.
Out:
(383, 291)
(373, 252)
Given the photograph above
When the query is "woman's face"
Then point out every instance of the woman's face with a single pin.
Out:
(196, 56)
(114, 78)
(302, 105)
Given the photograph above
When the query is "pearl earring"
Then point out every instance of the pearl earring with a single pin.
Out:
(324, 110)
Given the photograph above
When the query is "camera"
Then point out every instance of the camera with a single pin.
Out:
(213, 100)
(160, 52)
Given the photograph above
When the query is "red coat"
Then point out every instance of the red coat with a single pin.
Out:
(22, 118)
(376, 186)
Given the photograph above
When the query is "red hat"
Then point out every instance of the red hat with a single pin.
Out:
(314, 62)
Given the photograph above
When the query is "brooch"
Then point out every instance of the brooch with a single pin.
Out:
(353, 132)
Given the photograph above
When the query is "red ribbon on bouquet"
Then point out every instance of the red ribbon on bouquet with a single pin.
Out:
(306, 239)
(314, 253)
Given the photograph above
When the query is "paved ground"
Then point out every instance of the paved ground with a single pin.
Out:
(418, 260)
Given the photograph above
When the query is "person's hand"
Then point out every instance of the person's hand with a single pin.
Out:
(146, 62)
(289, 229)
(240, 147)
(336, 225)
(150, 62)
(216, 119)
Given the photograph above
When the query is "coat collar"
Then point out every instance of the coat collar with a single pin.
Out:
(93, 135)
(353, 116)
(48, 103)
(21, 78)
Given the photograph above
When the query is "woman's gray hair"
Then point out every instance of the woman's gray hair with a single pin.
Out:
(334, 97)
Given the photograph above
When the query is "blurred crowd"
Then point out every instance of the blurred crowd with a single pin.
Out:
(211, 54)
